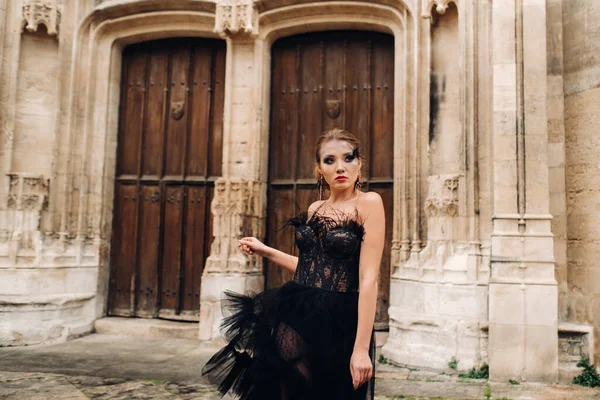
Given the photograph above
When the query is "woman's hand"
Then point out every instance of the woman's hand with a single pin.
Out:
(252, 245)
(361, 367)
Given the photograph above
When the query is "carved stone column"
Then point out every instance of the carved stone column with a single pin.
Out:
(446, 229)
(240, 195)
(523, 298)
(237, 213)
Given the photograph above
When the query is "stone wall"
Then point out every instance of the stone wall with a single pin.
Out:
(48, 281)
(581, 43)
(494, 145)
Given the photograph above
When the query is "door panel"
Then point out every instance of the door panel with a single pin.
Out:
(124, 250)
(148, 247)
(169, 156)
(321, 81)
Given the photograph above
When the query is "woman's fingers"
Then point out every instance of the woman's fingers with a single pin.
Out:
(363, 376)
(353, 373)
(360, 375)
(246, 245)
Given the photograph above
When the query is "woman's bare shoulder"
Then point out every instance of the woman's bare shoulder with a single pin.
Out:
(368, 202)
(314, 207)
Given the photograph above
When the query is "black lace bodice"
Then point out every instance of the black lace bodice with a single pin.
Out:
(329, 251)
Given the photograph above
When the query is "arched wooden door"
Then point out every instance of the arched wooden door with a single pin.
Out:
(321, 81)
(168, 157)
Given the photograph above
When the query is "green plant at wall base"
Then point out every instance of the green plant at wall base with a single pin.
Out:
(382, 359)
(487, 392)
(482, 373)
(589, 377)
(513, 382)
(453, 363)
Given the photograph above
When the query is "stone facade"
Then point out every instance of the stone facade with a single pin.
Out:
(495, 171)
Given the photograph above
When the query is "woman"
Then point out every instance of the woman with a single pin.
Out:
(312, 338)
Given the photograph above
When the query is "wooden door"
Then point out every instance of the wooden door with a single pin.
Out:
(321, 81)
(168, 157)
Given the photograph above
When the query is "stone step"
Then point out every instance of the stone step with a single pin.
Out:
(147, 327)
(167, 329)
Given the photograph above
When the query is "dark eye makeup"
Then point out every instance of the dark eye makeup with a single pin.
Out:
(348, 157)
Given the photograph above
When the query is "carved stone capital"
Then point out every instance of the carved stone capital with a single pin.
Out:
(440, 7)
(28, 192)
(237, 212)
(236, 16)
(41, 12)
(443, 197)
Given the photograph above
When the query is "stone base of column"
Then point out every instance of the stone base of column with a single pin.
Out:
(430, 323)
(523, 333)
(211, 293)
(523, 342)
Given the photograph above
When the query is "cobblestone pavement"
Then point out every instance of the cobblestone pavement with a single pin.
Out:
(109, 367)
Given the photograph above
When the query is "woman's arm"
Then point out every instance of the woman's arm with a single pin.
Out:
(282, 259)
(252, 245)
(372, 213)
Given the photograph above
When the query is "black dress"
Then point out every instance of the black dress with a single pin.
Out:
(295, 342)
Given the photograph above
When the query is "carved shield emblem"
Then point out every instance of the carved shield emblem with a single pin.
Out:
(333, 108)
(177, 110)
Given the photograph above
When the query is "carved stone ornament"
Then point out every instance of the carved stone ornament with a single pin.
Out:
(235, 215)
(28, 193)
(234, 16)
(442, 199)
(440, 7)
(334, 108)
(41, 12)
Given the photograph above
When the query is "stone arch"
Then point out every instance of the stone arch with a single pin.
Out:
(86, 167)
(399, 21)
(249, 69)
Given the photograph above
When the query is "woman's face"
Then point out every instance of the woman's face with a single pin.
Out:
(339, 164)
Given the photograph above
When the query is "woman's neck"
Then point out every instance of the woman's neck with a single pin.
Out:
(342, 196)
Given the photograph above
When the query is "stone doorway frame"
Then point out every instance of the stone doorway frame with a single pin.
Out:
(240, 200)
(82, 199)
(86, 147)
(401, 23)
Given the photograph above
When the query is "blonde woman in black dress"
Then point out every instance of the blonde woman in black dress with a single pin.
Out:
(312, 338)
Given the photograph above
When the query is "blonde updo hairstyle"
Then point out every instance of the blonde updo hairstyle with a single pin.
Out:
(335, 134)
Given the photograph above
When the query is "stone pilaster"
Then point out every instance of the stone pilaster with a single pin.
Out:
(523, 338)
(237, 213)
(238, 204)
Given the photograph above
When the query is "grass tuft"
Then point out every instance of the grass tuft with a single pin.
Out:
(453, 363)
(482, 372)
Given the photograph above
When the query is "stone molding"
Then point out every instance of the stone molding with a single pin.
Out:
(236, 16)
(41, 12)
(22, 242)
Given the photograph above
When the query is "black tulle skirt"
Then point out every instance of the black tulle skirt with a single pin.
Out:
(290, 343)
